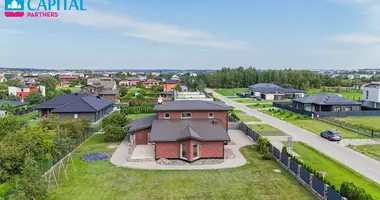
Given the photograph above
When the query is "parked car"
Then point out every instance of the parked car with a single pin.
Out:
(331, 135)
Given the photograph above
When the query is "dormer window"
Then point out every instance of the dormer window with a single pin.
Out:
(186, 115)
(167, 116)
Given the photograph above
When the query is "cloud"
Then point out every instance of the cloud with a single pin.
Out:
(151, 31)
(356, 38)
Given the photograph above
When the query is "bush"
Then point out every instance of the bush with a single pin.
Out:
(235, 116)
(284, 150)
(264, 148)
(353, 192)
(138, 109)
(113, 133)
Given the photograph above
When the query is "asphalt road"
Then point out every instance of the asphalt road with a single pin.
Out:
(355, 160)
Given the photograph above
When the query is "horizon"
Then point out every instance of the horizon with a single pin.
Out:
(198, 35)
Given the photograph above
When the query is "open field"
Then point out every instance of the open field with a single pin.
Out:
(267, 130)
(102, 180)
(249, 119)
(231, 92)
(367, 121)
(371, 150)
(247, 100)
(336, 172)
(260, 105)
(314, 126)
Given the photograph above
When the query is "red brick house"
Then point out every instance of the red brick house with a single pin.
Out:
(187, 130)
(169, 85)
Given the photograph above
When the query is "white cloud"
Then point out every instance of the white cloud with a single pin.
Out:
(150, 30)
(356, 38)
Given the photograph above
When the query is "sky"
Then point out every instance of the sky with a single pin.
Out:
(197, 34)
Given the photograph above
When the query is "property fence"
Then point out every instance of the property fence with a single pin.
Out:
(23, 112)
(288, 106)
(356, 128)
(307, 179)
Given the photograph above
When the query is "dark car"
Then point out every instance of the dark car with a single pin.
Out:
(331, 135)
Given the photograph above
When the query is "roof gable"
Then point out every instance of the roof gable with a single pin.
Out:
(189, 133)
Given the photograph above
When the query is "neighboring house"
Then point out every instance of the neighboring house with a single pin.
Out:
(130, 81)
(75, 106)
(191, 96)
(361, 85)
(23, 91)
(151, 82)
(169, 85)
(184, 88)
(326, 103)
(175, 77)
(371, 95)
(187, 130)
(64, 81)
(15, 104)
(105, 89)
(269, 91)
(3, 79)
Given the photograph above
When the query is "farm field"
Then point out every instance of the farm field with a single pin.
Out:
(337, 173)
(103, 180)
(231, 92)
(371, 150)
(311, 125)
(267, 130)
(367, 121)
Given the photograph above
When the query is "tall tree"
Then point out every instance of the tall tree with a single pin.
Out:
(34, 98)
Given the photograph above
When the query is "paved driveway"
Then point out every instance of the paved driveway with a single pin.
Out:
(143, 152)
(355, 160)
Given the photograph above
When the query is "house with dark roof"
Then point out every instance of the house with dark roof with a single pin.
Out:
(103, 88)
(77, 105)
(269, 91)
(187, 130)
(326, 103)
(14, 104)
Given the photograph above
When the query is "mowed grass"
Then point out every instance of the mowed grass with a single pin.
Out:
(317, 127)
(246, 100)
(267, 130)
(238, 112)
(249, 119)
(371, 150)
(337, 173)
(139, 116)
(231, 91)
(260, 105)
(367, 121)
(72, 89)
(103, 180)
(349, 95)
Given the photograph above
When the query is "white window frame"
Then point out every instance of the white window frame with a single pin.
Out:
(180, 151)
(212, 115)
(185, 114)
(75, 116)
(165, 116)
(198, 153)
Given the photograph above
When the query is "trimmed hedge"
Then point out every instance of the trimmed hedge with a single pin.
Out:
(353, 192)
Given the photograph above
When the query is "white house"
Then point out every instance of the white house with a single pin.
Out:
(371, 95)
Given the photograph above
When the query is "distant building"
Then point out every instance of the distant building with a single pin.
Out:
(191, 96)
(23, 91)
(326, 103)
(2, 78)
(175, 77)
(371, 95)
(15, 104)
(268, 91)
(169, 85)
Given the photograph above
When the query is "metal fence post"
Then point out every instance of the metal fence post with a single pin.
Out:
(289, 162)
(311, 180)
(325, 191)
(299, 170)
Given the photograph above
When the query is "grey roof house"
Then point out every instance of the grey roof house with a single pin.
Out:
(187, 130)
(269, 91)
(15, 104)
(77, 105)
(326, 103)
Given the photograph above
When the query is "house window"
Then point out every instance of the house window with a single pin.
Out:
(186, 115)
(75, 116)
(183, 150)
(167, 116)
(210, 115)
(195, 151)
(366, 94)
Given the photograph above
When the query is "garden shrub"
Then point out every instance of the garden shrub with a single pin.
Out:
(114, 132)
(353, 192)
(264, 148)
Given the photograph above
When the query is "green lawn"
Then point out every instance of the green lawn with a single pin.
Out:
(29, 116)
(249, 119)
(261, 102)
(367, 121)
(102, 180)
(349, 95)
(139, 116)
(371, 150)
(238, 112)
(260, 105)
(317, 127)
(336, 172)
(267, 130)
(73, 89)
(231, 92)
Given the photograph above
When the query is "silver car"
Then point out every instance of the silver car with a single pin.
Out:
(331, 135)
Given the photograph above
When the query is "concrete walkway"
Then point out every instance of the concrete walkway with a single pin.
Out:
(119, 158)
(355, 160)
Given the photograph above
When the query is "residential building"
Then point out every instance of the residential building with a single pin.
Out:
(361, 85)
(175, 77)
(269, 91)
(371, 95)
(191, 96)
(187, 130)
(105, 89)
(64, 81)
(23, 91)
(169, 85)
(15, 104)
(326, 103)
(151, 82)
(2, 78)
(76, 106)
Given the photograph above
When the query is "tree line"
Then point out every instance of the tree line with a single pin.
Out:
(244, 77)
